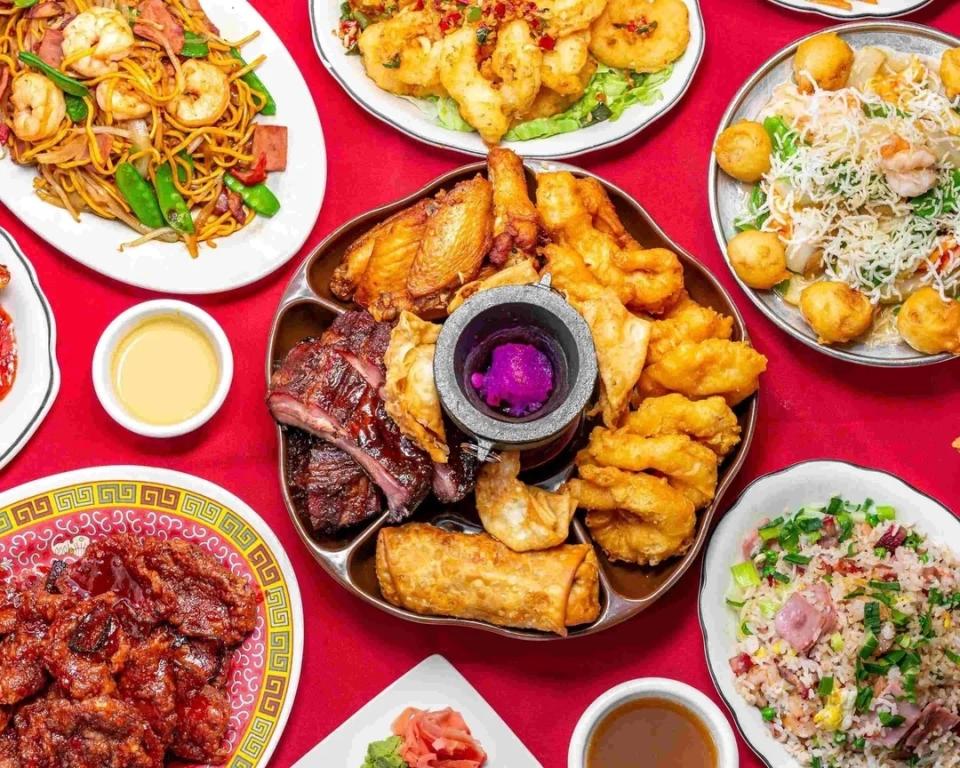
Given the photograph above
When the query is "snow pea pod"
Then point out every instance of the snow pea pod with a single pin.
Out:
(62, 81)
(256, 84)
(174, 208)
(139, 196)
(194, 46)
(257, 198)
(76, 108)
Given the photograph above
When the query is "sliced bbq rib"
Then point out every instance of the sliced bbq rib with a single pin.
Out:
(328, 487)
(456, 479)
(324, 387)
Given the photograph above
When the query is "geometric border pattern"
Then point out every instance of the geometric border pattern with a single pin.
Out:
(159, 497)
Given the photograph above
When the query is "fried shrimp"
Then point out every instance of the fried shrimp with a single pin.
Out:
(930, 324)
(642, 35)
(836, 312)
(562, 66)
(402, 54)
(205, 97)
(38, 107)
(122, 100)
(566, 16)
(689, 467)
(909, 171)
(687, 321)
(634, 517)
(96, 40)
(648, 280)
(480, 103)
(516, 62)
(730, 369)
(710, 422)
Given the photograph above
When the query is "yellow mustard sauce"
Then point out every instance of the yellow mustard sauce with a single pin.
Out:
(165, 370)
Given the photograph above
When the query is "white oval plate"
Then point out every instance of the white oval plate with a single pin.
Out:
(726, 194)
(883, 9)
(772, 495)
(404, 115)
(63, 513)
(38, 375)
(237, 260)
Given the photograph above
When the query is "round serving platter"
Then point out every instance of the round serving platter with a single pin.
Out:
(409, 118)
(771, 495)
(38, 375)
(238, 260)
(57, 517)
(727, 194)
(307, 308)
(881, 9)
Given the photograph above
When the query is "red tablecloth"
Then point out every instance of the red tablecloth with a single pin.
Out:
(810, 406)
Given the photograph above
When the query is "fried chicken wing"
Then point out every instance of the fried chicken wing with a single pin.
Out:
(648, 280)
(634, 516)
(710, 422)
(410, 393)
(687, 321)
(700, 369)
(516, 222)
(523, 517)
(689, 467)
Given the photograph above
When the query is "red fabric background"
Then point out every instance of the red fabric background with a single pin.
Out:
(811, 406)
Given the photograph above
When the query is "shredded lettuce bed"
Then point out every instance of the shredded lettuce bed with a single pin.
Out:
(609, 93)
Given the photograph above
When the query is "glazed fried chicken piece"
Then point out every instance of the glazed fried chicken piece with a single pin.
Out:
(687, 321)
(148, 682)
(206, 599)
(710, 422)
(22, 672)
(516, 222)
(417, 258)
(86, 646)
(101, 732)
(9, 749)
(203, 717)
(730, 369)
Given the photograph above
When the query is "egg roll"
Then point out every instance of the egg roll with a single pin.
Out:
(434, 572)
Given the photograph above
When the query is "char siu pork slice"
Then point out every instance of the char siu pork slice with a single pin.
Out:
(319, 390)
(363, 342)
(328, 487)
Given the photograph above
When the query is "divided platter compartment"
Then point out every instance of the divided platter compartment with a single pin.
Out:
(727, 194)
(308, 307)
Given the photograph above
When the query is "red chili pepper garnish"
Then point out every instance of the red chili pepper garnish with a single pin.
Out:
(4, 133)
(450, 21)
(8, 354)
(500, 10)
(254, 175)
(547, 43)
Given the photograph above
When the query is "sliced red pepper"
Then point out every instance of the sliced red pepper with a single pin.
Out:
(547, 43)
(255, 175)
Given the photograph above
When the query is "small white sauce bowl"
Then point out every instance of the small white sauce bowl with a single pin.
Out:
(128, 321)
(655, 688)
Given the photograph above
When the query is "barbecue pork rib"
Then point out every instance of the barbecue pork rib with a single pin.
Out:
(324, 387)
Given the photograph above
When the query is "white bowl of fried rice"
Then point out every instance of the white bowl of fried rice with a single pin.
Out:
(830, 608)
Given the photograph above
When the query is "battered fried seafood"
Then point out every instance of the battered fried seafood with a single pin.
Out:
(634, 517)
(687, 321)
(743, 151)
(700, 369)
(134, 641)
(642, 35)
(758, 258)
(710, 422)
(523, 517)
(929, 323)
(823, 61)
(836, 312)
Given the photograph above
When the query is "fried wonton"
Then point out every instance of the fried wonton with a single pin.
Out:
(523, 517)
(522, 273)
(730, 369)
(710, 422)
(410, 392)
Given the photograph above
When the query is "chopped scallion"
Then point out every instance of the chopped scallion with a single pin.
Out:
(825, 686)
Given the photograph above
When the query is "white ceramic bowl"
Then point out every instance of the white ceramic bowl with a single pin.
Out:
(127, 321)
(660, 688)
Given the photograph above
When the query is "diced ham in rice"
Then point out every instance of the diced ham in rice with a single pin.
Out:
(804, 618)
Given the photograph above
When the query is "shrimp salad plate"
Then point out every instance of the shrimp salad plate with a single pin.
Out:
(853, 189)
(548, 80)
(855, 9)
(29, 374)
(433, 697)
(829, 602)
(157, 176)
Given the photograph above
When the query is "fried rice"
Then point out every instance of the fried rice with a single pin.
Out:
(848, 641)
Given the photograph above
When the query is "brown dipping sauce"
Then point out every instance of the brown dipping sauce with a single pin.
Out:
(654, 733)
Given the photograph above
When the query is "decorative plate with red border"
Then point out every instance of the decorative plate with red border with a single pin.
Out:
(57, 517)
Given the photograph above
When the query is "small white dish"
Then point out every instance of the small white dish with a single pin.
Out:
(408, 117)
(882, 9)
(660, 688)
(769, 496)
(38, 375)
(432, 684)
(126, 322)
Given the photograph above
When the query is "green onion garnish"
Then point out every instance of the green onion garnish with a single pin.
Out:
(952, 655)
(825, 686)
(889, 720)
(885, 586)
(886, 513)
(745, 574)
(864, 697)
(869, 646)
(871, 617)
(796, 559)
